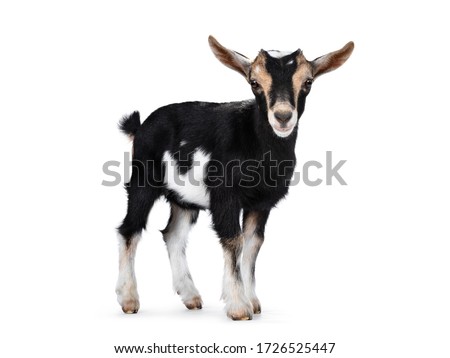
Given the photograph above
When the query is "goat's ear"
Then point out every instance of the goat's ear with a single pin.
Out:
(332, 61)
(230, 58)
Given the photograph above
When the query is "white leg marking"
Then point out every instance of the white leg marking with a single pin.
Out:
(237, 305)
(176, 238)
(126, 288)
(250, 252)
(252, 244)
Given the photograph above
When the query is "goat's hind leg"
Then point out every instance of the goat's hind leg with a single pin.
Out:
(175, 236)
(140, 202)
(126, 287)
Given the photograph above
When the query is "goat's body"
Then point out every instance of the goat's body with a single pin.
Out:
(229, 158)
(253, 167)
(226, 133)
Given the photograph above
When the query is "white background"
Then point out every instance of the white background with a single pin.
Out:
(364, 265)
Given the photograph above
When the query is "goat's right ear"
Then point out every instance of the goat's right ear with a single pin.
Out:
(230, 58)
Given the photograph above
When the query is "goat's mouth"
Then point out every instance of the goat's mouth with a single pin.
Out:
(283, 131)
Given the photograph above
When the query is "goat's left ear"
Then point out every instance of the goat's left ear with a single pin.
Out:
(332, 61)
(230, 58)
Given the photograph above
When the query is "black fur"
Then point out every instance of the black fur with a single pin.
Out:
(249, 153)
(242, 144)
(130, 124)
(237, 131)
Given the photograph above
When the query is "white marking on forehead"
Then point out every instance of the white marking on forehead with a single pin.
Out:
(183, 142)
(279, 54)
(290, 62)
(190, 186)
(257, 69)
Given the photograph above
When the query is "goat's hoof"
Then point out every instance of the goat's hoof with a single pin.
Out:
(256, 305)
(240, 313)
(195, 303)
(240, 316)
(130, 306)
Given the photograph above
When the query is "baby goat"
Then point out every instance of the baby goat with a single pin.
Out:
(225, 157)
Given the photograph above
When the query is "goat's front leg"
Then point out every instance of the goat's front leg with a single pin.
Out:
(237, 305)
(226, 223)
(253, 223)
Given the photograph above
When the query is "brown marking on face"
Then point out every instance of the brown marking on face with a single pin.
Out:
(259, 74)
(303, 72)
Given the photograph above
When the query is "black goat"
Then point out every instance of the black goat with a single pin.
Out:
(225, 157)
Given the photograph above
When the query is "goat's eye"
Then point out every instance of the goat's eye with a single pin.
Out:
(254, 84)
(308, 83)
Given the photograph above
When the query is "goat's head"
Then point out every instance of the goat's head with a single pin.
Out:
(281, 81)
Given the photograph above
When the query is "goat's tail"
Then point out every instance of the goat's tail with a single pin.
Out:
(130, 124)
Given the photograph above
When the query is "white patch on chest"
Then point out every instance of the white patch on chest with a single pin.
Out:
(190, 186)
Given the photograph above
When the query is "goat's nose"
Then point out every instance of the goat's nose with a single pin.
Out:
(283, 116)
